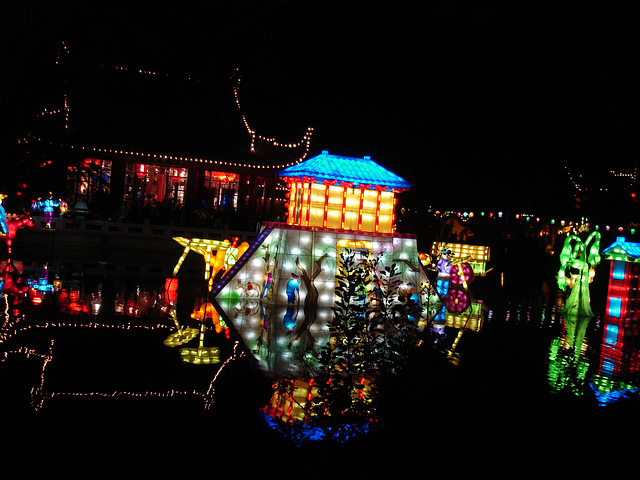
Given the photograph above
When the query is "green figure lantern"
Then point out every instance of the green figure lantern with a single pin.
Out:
(577, 269)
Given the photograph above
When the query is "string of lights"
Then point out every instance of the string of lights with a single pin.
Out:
(13, 328)
(306, 139)
(150, 157)
(65, 110)
(578, 184)
(39, 397)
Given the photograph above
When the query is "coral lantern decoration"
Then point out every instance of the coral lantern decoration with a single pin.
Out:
(582, 258)
(7, 284)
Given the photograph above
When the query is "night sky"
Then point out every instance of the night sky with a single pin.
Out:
(490, 99)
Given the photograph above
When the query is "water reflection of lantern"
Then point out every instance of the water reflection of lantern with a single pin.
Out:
(74, 305)
(619, 358)
(213, 264)
(35, 296)
(204, 355)
(181, 335)
(131, 307)
(146, 300)
(118, 304)
(96, 303)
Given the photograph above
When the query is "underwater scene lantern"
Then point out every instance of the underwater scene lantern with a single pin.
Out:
(280, 293)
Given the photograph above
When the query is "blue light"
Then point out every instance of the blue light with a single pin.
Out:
(306, 433)
(608, 367)
(442, 286)
(618, 271)
(611, 334)
(615, 307)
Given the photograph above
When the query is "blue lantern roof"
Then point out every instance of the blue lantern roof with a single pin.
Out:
(353, 172)
(622, 250)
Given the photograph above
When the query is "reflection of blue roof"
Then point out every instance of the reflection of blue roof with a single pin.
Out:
(621, 246)
(347, 170)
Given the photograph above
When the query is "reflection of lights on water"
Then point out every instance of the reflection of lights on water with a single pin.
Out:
(12, 328)
(18, 325)
(39, 396)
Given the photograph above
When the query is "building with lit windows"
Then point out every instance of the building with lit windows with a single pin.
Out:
(120, 139)
(619, 361)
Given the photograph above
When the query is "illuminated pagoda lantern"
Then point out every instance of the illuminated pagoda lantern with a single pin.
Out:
(280, 293)
(623, 294)
(621, 314)
(332, 191)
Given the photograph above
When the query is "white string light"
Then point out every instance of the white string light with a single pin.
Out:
(65, 110)
(306, 139)
(38, 394)
(576, 179)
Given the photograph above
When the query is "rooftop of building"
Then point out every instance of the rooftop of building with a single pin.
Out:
(342, 170)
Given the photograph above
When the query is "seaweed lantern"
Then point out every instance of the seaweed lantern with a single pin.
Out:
(577, 268)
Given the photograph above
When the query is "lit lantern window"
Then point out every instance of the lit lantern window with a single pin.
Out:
(141, 170)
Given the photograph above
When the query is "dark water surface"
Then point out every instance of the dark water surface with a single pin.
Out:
(103, 397)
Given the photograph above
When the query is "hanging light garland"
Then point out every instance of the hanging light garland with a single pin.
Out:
(306, 139)
(65, 110)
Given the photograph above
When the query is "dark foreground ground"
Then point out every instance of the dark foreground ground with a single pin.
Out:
(491, 414)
